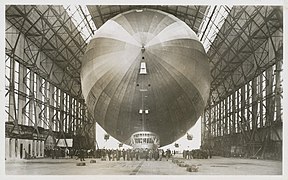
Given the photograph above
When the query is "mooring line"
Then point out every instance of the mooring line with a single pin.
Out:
(135, 171)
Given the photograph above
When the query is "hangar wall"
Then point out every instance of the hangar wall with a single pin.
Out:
(37, 104)
(244, 115)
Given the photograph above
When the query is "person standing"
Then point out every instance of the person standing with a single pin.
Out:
(132, 155)
(113, 155)
(160, 154)
(82, 154)
(53, 153)
(168, 154)
(150, 153)
(156, 154)
(118, 154)
(124, 154)
(109, 152)
(184, 154)
(137, 155)
(128, 154)
(146, 154)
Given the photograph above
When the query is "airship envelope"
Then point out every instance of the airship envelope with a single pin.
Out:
(145, 71)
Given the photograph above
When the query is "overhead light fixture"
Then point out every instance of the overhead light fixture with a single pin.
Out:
(139, 10)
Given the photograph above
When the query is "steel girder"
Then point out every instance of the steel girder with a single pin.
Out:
(245, 107)
(34, 103)
(55, 35)
(237, 52)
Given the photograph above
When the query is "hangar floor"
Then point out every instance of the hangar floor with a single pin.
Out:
(214, 166)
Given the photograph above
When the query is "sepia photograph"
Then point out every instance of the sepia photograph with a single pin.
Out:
(143, 89)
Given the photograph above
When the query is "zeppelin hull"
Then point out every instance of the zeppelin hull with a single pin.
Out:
(173, 90)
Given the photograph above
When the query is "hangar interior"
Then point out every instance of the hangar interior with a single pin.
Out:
(45, 107)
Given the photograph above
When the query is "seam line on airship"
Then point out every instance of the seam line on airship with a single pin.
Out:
(104, 66)
(171, 31)
(103, 88)
(164, 63)
(130, 79)
(166, 44)
(136, 32)
(129, 73)
(122, 68)
(112, 32)
(101, 69)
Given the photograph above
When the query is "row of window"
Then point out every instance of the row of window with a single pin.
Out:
(143, 135)
(144, 140)
(251, 106)
(31, 99)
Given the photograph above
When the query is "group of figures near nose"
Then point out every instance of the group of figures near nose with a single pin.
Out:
(135, 154)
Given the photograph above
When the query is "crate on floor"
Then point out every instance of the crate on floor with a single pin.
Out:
(182, 164)
(81, 164)
(93, 161)
(192, 168)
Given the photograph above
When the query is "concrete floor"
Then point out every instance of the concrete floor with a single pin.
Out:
(214, 166)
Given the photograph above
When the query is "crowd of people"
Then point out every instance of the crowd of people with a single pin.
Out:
(134, 154)
(60, 152)
(123, 154)
(108, 154)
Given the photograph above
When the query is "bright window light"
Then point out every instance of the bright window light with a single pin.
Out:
(82, 19)
(209, 29)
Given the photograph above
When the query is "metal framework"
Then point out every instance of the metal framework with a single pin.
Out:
(244, 115)
(82, 19)
(212, 22)
(43, 92)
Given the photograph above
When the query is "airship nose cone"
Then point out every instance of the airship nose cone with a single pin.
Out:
(145, 60)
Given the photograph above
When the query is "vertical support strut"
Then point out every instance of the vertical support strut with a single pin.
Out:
(249, 81)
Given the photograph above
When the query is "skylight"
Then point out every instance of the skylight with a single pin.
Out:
(82, 19)
(214, 18)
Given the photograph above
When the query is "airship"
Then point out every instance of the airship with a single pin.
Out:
(145, 77)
